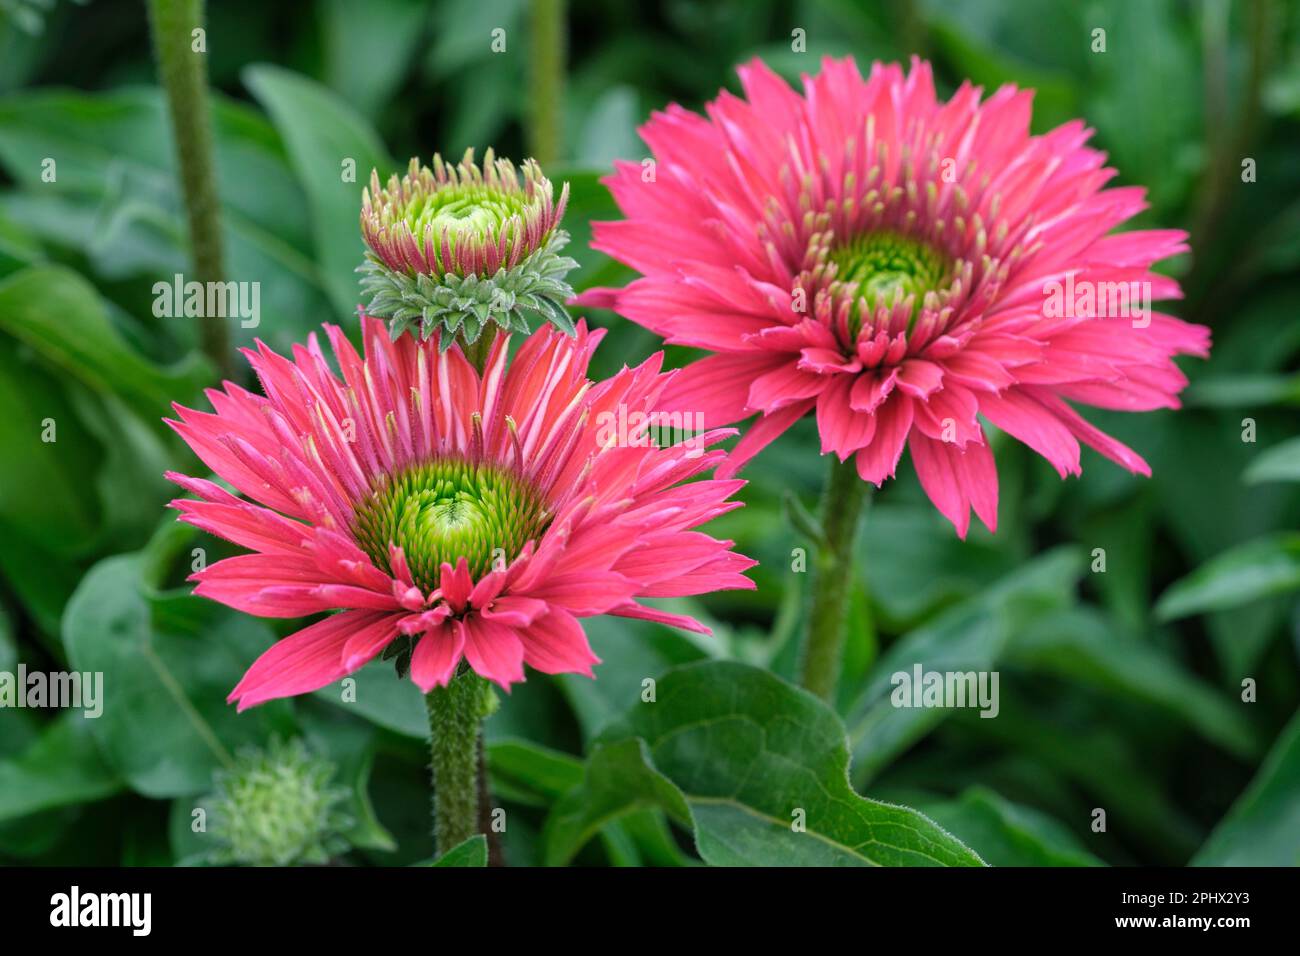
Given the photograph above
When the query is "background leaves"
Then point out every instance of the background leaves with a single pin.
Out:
(1126, 617)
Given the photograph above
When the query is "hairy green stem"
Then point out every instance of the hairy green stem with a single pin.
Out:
(842, 505)
(183, 72)
(455, 722)
(545, 122)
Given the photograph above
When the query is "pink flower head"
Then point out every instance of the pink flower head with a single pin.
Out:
(898, 266)
(476, 516)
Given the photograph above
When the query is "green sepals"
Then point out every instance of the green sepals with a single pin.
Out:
(461, 307)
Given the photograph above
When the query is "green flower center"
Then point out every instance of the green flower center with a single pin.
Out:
(888, 267)
(446, 510)
(465, 208)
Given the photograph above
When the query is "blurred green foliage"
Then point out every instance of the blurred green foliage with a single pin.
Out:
(1121, 689)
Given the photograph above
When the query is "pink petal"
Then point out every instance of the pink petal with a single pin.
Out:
(555, 644)
(433, 663)
(879, 460)
(493, 650)
(313, 657)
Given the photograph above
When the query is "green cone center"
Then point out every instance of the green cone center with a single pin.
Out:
(442, 511)
(888, 267)
(470, 208)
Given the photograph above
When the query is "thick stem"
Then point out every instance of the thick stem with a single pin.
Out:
(545, 122)
(842, 505)
(455, 721)
(183, 72)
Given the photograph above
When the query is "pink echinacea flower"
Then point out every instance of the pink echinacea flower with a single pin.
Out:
(900, 267)
(475, 516)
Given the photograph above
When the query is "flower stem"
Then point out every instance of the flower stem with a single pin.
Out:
(545, 117)
(842, 506)
(183, 72)
(455, 722)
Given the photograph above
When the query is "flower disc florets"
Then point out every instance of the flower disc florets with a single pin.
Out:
(459, 247)
(442, 511)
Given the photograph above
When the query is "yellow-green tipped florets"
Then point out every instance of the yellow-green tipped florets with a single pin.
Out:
(442, 511)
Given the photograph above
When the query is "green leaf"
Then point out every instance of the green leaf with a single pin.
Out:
(8, 650)
(915, 565)
(609, 129)
(369, 47)
(1257, 569)
(1263, 826)
(589, 201)
(46, 499)
(350, 744)
(116, 199)
(1006, 833)
(1146, 56)
(630, 651)
(1249, 390)
(60, 768)
(527, 773)
(969, 637)
(321, 132)
(168, 660)
(473, 852)
(1279, 463)
(59, 315)
(376, 693)
(41, 579)
(1083, 645)
(756, 767)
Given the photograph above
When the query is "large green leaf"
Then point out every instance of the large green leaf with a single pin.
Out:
(60, 768)
(116, 199)
(43, 494)
(914, 564)
(526, 773)
(631, 652)
(58, 314)
(1279, 463)
(756, 767)
(368, 47)
(1147, 55)
(1248, 391)
(1083, 646)
(1263, 826)
(321, 132)
(376, 693)
(1006, 833)
(168, 661)
(1257, 569)
(969, 637)
(350, 744)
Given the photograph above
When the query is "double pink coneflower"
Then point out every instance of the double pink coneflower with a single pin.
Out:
(477, 515)
(881, 259)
